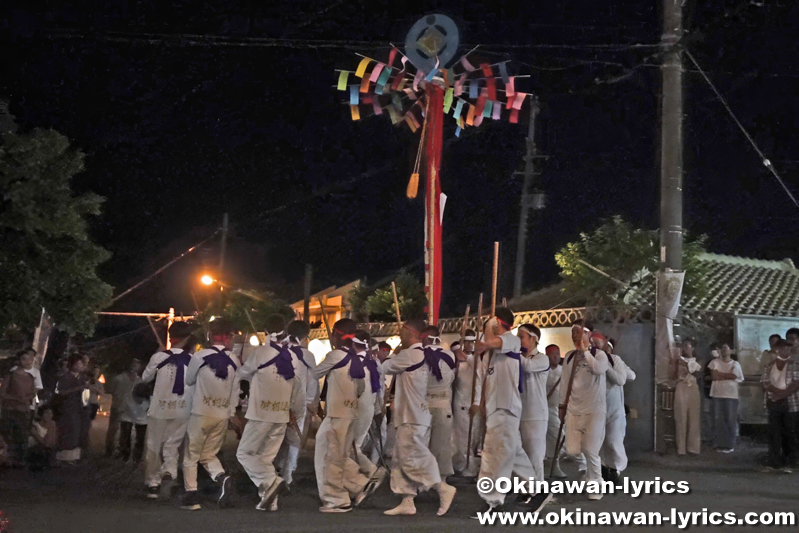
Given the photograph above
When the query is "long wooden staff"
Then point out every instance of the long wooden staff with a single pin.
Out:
(495, 275)
(474, 381)
(494, 280)
(320, 413)
(390, 392)
(558, 441)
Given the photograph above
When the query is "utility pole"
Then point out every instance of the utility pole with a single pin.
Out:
(306, 308)
(223, 247)
(536, 201)
(671, 231)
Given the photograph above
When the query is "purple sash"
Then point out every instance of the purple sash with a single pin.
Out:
(219, 362)
(180, 360)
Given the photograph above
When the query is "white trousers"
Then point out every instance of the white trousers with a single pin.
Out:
(553, 426)
(338, 477)
(164, 438)
(612, 452)
(414, 469)
(503, 455)
(584, 435)
(534, 443)
(289, 451)
(374, 455)
(258, 447)
(460, 436)
(205, 438)
(366, 412)
(441, 439)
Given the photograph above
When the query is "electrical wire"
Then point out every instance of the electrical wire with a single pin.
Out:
(723, 101)
(151, 276)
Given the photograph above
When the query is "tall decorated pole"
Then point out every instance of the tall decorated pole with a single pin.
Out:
(433, 208)
(419, 99)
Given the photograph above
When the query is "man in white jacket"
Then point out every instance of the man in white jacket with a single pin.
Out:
(535, 411)
(503, 454)
(414, 468)
(276, 394)
(304, 368)
(554, 380)
(216, 395)
(338, 476)
(368, 404)
(439, 398)
(461, 403)
(612, 453)
(585, 415)
(170, 409)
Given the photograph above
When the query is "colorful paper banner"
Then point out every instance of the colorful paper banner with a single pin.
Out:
(497, 110)
(376, 72)
(353, 95)
(365, 84)
(510, 87)
(458, 108)
(514, 116)
(448, 100)
(519, 100)
(342, 80)
(356, 114)
(470, 115)
(362, 67)
(489, 106)
(503, 73)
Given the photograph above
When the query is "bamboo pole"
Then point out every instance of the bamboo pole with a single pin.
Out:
(396, 307)
(494, 280)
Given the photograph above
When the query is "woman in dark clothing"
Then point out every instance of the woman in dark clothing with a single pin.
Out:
(70, 389)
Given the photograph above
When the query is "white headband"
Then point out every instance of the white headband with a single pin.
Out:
(470, 338)
(273, 336)
(359, 341)
(434, 339)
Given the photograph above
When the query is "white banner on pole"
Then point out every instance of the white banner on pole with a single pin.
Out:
(41, 337)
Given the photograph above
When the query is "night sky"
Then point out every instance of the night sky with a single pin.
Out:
(179, 129)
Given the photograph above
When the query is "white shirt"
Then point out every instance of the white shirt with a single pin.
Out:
(502, 381)
(589, 392)
(343, 392)
(135, 409)
(727, 388)
(618, 374)
(213, 397)
(534, 397)
(410, 392)
(165, 404)
(554, 380)
(305, 374)
(439, 393)
(271, 395)
(778, 377)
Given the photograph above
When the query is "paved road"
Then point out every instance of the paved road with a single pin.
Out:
(107, 496)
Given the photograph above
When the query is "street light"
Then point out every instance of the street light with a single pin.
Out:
(207, 280)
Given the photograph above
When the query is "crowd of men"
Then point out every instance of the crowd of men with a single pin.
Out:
(493, 405)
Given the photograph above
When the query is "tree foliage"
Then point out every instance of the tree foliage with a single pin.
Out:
(628, 254)
(47, 258)
(377, 305)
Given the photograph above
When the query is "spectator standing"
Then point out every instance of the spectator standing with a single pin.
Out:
(770, 355)
(19, 397)
(69, 389)
(726, 374)
(780, 381)
(133, 413)
(685, 370)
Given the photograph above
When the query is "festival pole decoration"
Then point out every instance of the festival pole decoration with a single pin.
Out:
(417, 88)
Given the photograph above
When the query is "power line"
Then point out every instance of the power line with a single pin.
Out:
(151, 276)
(765, 160)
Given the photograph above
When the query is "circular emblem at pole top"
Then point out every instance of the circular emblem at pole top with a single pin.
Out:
(432, 36)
